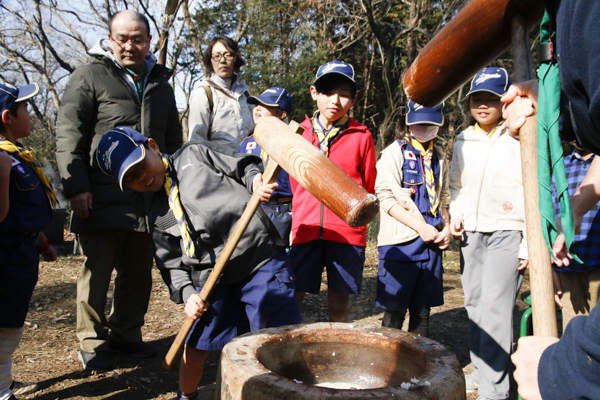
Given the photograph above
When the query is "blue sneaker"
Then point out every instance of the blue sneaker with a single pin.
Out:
(190, 396)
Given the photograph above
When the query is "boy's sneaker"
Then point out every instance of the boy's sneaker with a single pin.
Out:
(470, 385)
(137, 349)
(190, 396)
(98, 361)
(22, 388)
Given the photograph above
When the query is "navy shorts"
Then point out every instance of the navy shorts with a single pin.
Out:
(410, 275)
(265, 299)
(19, 260)
(344, 264)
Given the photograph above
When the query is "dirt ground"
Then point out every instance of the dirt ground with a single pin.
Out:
(48, 352)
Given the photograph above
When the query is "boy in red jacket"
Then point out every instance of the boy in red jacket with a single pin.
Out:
(320, 239)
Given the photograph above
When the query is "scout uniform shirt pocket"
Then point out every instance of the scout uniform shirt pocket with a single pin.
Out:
(25, 179)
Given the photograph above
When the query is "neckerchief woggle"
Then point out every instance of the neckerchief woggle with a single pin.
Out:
(326, 137)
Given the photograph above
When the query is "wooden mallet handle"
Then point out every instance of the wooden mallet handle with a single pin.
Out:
(269, 176)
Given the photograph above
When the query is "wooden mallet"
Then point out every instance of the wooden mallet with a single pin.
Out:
(477, 35)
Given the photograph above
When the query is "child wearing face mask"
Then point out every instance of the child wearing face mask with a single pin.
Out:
(412, 187)
(488, 217)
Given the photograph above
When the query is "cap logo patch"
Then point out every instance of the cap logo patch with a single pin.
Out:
(332, 66)
(107, 154)
(270, 91)
(418, 106)
(484, 77)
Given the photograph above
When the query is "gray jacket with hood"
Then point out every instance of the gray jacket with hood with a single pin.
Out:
(101, 96)
(215, 185)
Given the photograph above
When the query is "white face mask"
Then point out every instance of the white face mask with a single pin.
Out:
(424, 133)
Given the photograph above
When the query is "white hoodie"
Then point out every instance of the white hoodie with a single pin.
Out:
(486, 183)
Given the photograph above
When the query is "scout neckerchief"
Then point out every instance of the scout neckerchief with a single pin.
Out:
(29, 158)
(549, 141)
(326, 137)
(492, 131)
(427, 156)
(172, 189)
(138, 77)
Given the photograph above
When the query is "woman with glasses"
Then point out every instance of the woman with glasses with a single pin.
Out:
(219, 111)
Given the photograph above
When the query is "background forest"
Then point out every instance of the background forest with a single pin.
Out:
(283, 43)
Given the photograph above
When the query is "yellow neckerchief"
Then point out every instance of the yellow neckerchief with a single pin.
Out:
(172, 189)
(427, 156)
(327, 137)
(29, 158)
(492, 131)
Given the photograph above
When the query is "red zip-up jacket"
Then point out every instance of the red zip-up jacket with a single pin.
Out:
(354, 153)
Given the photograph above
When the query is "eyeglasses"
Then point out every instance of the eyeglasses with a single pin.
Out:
(217, 56)
(138, 42)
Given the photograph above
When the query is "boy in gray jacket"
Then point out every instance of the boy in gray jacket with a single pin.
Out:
(202, 191)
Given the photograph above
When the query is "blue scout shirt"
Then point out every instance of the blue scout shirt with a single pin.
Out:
(284, 191)
(29, 213)
(30, 209)
(413, 178)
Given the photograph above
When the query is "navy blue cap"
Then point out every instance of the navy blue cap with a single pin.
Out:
(493, 80)
(274, 97)
(335, 67)
(9, 94)
(119, 150)
(418, 114)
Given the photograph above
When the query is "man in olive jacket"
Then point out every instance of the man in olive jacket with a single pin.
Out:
(122, 86)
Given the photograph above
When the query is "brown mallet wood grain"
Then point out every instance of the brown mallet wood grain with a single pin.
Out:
(269, 176)
(316, 173)
(476, 36)
(540, 264)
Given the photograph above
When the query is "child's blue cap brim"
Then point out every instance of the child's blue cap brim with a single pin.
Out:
(416, 114)
(119, 150)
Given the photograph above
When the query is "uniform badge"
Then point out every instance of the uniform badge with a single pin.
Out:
(413, 190)
(412, 164)
(15, 161)
(409, 155)
(20, 169)
(250, 146)
(508, 207)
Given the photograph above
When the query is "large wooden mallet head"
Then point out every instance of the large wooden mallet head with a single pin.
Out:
(316, 173)
(476, 36)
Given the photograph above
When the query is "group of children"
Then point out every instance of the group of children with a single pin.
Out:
(202, 189)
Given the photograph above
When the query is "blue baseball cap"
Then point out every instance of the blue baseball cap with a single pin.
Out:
(493, 80)
(335, 67)
(119, 150)
(10, 95)
(274, 97)
(418, 114)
